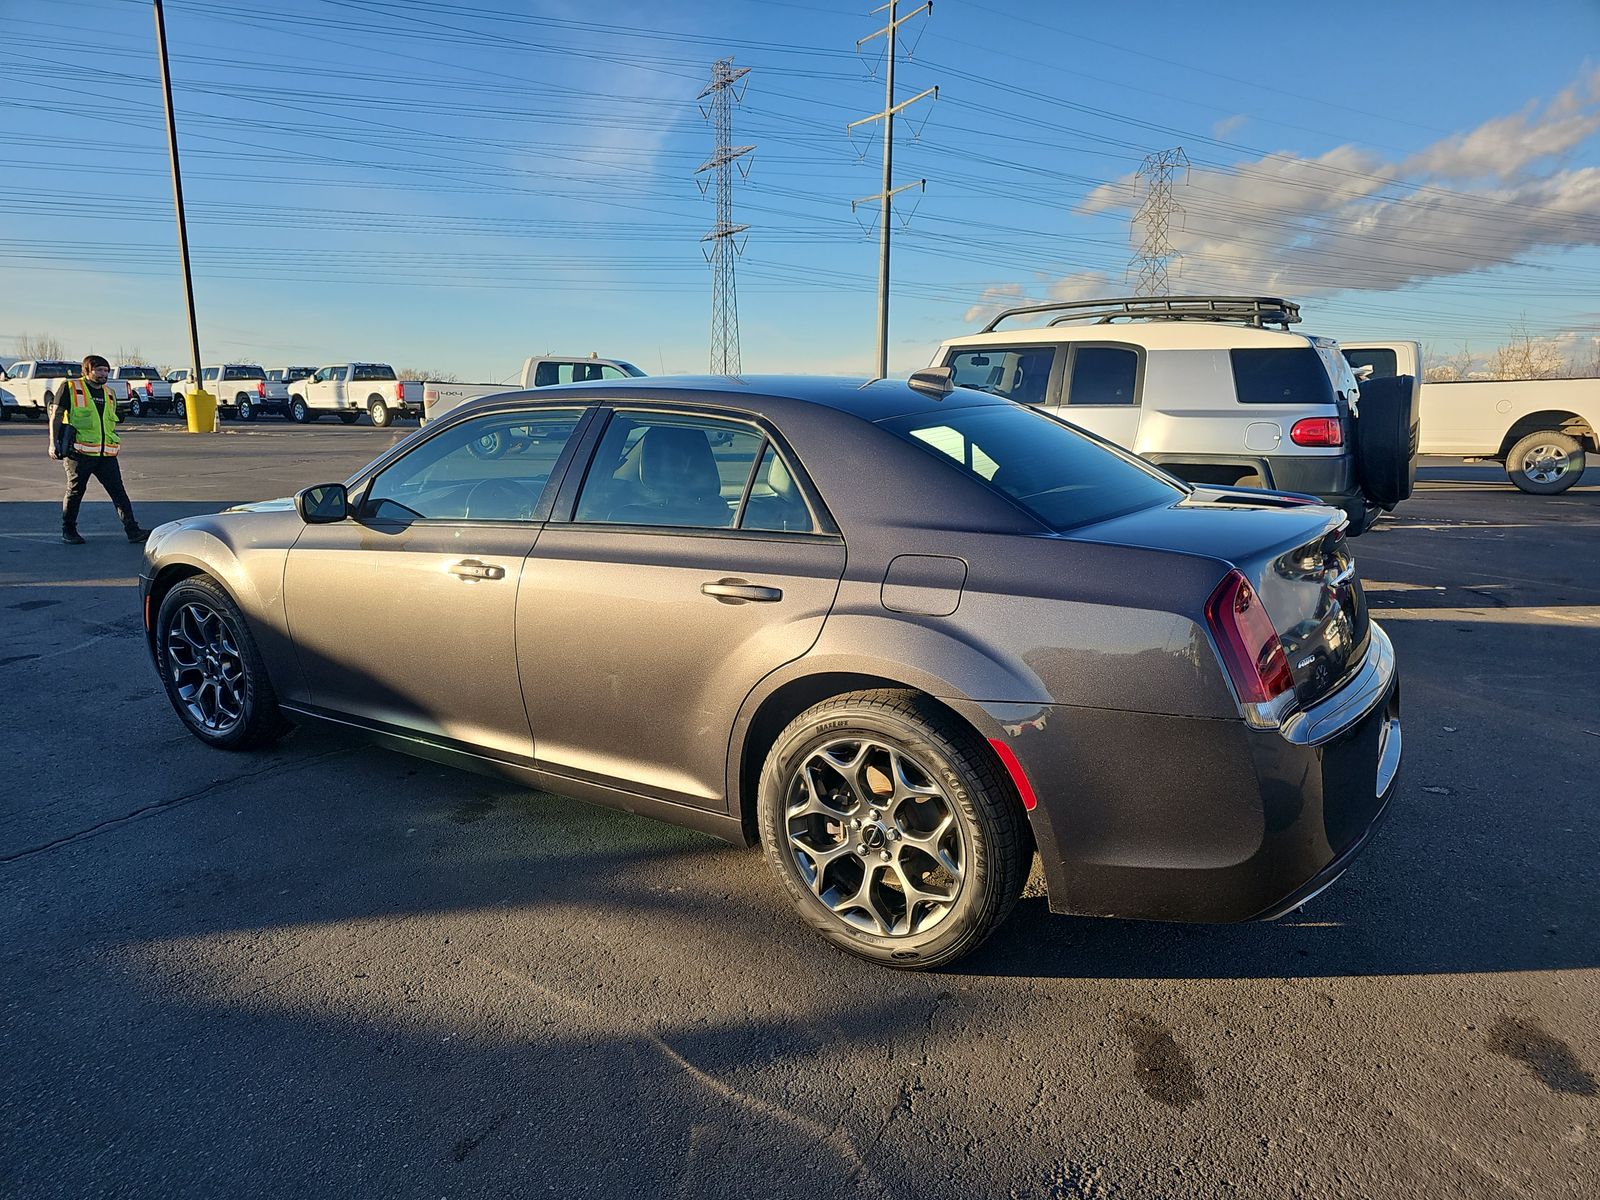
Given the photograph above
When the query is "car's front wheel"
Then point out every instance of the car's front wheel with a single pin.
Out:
(211, 669)
(892, 828)
(180, 408)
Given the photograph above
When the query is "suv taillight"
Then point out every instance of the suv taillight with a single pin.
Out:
(261, 389)
(1317, 431)
(1248, 642)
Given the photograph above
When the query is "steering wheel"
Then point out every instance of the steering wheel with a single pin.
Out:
(500, 500)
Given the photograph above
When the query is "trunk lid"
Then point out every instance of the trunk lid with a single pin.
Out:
(1296, 558)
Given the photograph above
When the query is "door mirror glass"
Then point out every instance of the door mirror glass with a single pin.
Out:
(323, 504)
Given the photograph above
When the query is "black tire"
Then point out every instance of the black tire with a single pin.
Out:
(1386, 440)
(1546, 463)
(991, 849)
(378, 410)
(299, 410)
(349, 418)
(35, 413)
(258, 722)
(244, 408)
(179, 408)
(5, 413)
(136, 407)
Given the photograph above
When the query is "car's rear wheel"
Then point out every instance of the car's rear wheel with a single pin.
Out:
(136, 407)
(378, 410)
(211, 669)
(892, 828)
(1546, 463)
(246, 408)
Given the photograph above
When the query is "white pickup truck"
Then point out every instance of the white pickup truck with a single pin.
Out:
(1540, 430)
(350, 389)
(141, 390)
(31, 386)
(241, 390)
(544, 370)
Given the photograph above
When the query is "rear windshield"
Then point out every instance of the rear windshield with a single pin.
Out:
(56, 370)
(1385, 364)
(1288, 376)
(370, 372)
(138, 373)
(243, 373)
(1042, 465)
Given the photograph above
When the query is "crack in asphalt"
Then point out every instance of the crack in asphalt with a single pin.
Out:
(110, 823)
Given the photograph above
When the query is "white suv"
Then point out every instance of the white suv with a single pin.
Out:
(1214, 389)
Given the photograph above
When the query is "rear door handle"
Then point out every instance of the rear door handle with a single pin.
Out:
(734, 591)
(471, 568)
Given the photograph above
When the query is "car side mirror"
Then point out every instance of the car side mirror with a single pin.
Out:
(322, 504)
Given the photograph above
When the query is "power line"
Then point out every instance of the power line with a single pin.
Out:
(724, 91)
(1154, 215)
(887, 195)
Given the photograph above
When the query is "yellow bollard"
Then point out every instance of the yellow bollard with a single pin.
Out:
(200, 409)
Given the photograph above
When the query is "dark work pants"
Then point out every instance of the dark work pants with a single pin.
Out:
(80, 469)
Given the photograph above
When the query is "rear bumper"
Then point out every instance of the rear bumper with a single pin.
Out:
(1166, 818)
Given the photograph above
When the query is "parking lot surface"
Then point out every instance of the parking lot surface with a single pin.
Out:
(329, 969)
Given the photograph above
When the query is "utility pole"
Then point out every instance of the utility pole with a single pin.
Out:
(177, 199)
(723, 248)
(1155, 216)
(887, 195)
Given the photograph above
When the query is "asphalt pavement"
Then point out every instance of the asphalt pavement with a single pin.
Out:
(328, 969)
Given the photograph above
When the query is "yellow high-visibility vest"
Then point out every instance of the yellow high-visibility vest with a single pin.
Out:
(94, 427)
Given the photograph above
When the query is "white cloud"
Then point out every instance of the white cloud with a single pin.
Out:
(1348, 219)
(1229, 125)
(1083, 285)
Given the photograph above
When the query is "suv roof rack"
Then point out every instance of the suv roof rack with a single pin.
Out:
(1259, 311)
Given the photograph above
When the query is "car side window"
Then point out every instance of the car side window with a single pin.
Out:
(1020, 373)
(491, 468)
(775, 502)
(1103, 375)
(670, 470)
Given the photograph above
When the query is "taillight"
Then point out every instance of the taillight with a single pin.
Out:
(1248, 643)
(261, 389)
(1317, 431)
(149, 388)
(399, 392)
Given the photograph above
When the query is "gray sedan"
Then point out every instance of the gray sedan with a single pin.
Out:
(903, 636)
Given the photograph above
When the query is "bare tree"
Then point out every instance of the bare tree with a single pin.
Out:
(1438, 369)
(1524, 356)
(419, 373)
(39, 345)
(130, 356)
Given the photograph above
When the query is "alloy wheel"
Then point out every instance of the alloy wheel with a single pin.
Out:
(1546, 463)
(875, 837)
(206, 668)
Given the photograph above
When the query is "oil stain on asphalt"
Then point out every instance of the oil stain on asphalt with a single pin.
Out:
(1548, 1058)
(1160, 1067)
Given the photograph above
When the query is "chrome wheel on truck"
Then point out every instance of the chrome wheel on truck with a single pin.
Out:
(1546, 463)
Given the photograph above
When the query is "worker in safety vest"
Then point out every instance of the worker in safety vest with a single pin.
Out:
(83, 433)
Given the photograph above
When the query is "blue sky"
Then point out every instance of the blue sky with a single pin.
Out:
(456, 185)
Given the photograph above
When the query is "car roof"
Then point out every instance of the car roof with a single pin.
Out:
(873, 400)
(1152, 335)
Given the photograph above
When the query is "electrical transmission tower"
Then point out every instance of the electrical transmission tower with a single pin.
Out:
(723, 248)
(1155, 216)
(887, 195)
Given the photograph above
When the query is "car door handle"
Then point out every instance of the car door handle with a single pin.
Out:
(735, 591)
(471, 568)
